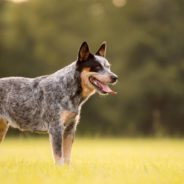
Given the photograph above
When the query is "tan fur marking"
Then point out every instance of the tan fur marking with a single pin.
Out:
(3, 129)
(87, 90)
(68, 116)
(67, 146)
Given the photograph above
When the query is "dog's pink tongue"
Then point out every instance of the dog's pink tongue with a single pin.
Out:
(108, 90)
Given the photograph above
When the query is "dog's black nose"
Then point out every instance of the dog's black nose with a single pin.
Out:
(114, 78)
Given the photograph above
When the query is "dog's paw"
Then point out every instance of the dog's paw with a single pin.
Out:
(60, 162)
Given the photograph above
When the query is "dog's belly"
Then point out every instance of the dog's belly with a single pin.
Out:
(26, 118)
(32, 127)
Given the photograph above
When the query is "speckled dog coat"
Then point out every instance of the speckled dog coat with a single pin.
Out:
(49, 103)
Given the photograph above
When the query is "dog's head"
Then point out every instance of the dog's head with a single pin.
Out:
(95, 71)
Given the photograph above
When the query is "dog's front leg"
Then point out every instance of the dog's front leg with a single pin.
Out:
(55, 134)
(68, 138)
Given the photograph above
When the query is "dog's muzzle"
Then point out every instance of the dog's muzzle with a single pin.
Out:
(114, 78)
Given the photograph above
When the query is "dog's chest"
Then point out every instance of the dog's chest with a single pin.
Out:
(68, 116)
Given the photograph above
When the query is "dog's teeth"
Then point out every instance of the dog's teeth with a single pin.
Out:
(95, 82)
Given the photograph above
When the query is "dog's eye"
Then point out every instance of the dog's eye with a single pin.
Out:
(98, 67)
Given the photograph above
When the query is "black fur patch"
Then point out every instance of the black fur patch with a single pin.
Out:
(92, 63)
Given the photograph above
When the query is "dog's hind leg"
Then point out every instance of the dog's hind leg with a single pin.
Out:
(3, 129)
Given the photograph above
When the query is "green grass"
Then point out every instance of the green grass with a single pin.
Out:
(97, 161)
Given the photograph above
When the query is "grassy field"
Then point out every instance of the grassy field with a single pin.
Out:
(94, 161)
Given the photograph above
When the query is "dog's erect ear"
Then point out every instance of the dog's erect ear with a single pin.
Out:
(102, 50)
(83, 52)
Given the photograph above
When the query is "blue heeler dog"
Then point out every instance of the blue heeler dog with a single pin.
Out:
(52, 103)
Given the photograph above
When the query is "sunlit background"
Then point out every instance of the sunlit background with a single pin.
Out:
(145, 48)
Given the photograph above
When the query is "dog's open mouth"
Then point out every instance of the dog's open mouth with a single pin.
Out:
(101, 87)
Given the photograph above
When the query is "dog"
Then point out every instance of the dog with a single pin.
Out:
(52, 103)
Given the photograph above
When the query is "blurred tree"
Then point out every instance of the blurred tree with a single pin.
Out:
(145, 48)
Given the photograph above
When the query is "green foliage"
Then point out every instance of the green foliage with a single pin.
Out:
(145, 40)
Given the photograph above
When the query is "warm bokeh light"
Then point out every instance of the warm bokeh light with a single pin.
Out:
(17, 1)
(119, 3)
(40, 37)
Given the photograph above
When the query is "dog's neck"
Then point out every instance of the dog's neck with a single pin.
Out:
(71, 87)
